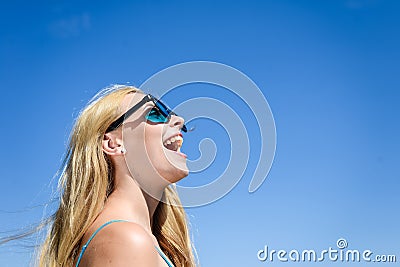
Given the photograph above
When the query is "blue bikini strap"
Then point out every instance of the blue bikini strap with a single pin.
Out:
(164, 257)
(92, 236)
(104, 225)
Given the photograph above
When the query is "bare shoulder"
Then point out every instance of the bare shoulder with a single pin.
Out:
(122, 244)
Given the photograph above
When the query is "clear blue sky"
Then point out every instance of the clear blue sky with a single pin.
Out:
(329, 70)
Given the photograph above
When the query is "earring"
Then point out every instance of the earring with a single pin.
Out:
(123, 151)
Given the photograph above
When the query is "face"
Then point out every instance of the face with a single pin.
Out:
(152, 149)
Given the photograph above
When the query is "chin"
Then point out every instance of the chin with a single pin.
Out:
(183, 173)
(175, 173)
(174, 168)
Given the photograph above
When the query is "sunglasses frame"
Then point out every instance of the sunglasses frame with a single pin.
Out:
(162, 108)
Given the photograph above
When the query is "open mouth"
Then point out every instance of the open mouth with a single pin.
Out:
(174, 143)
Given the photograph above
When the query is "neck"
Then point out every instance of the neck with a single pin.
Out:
(129, 201)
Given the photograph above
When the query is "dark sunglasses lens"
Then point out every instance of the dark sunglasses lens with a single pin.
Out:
(160, 114)
(163, 108)
(156, 116)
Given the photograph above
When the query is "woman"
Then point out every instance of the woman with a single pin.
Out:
(123, 158)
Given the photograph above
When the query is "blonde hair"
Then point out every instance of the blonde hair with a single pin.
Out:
(87, 180)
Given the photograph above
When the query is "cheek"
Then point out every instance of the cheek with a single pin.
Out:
(146, 156)
(145, 148)
(154, 147)
(168, 169)
(137, 156)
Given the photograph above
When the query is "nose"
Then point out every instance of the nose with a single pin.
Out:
(176, 121)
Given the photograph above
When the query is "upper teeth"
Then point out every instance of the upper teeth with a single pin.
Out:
(174, 139)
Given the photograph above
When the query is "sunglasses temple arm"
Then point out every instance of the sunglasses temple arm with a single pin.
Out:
(121, 119)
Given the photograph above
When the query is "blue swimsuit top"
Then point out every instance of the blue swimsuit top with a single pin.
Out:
(104, 225)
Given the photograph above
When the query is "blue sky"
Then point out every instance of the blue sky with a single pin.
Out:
(330, 73)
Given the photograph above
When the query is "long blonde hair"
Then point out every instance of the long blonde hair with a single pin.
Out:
(87, 180)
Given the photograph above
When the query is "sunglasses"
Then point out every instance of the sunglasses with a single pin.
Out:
(160, 113)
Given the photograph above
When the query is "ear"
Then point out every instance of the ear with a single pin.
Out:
(111, 144)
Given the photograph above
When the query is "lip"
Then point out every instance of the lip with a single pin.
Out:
(180, 154)
(177, 134)
(176, 152)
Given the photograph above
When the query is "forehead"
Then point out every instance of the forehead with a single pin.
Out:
(131, 99)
